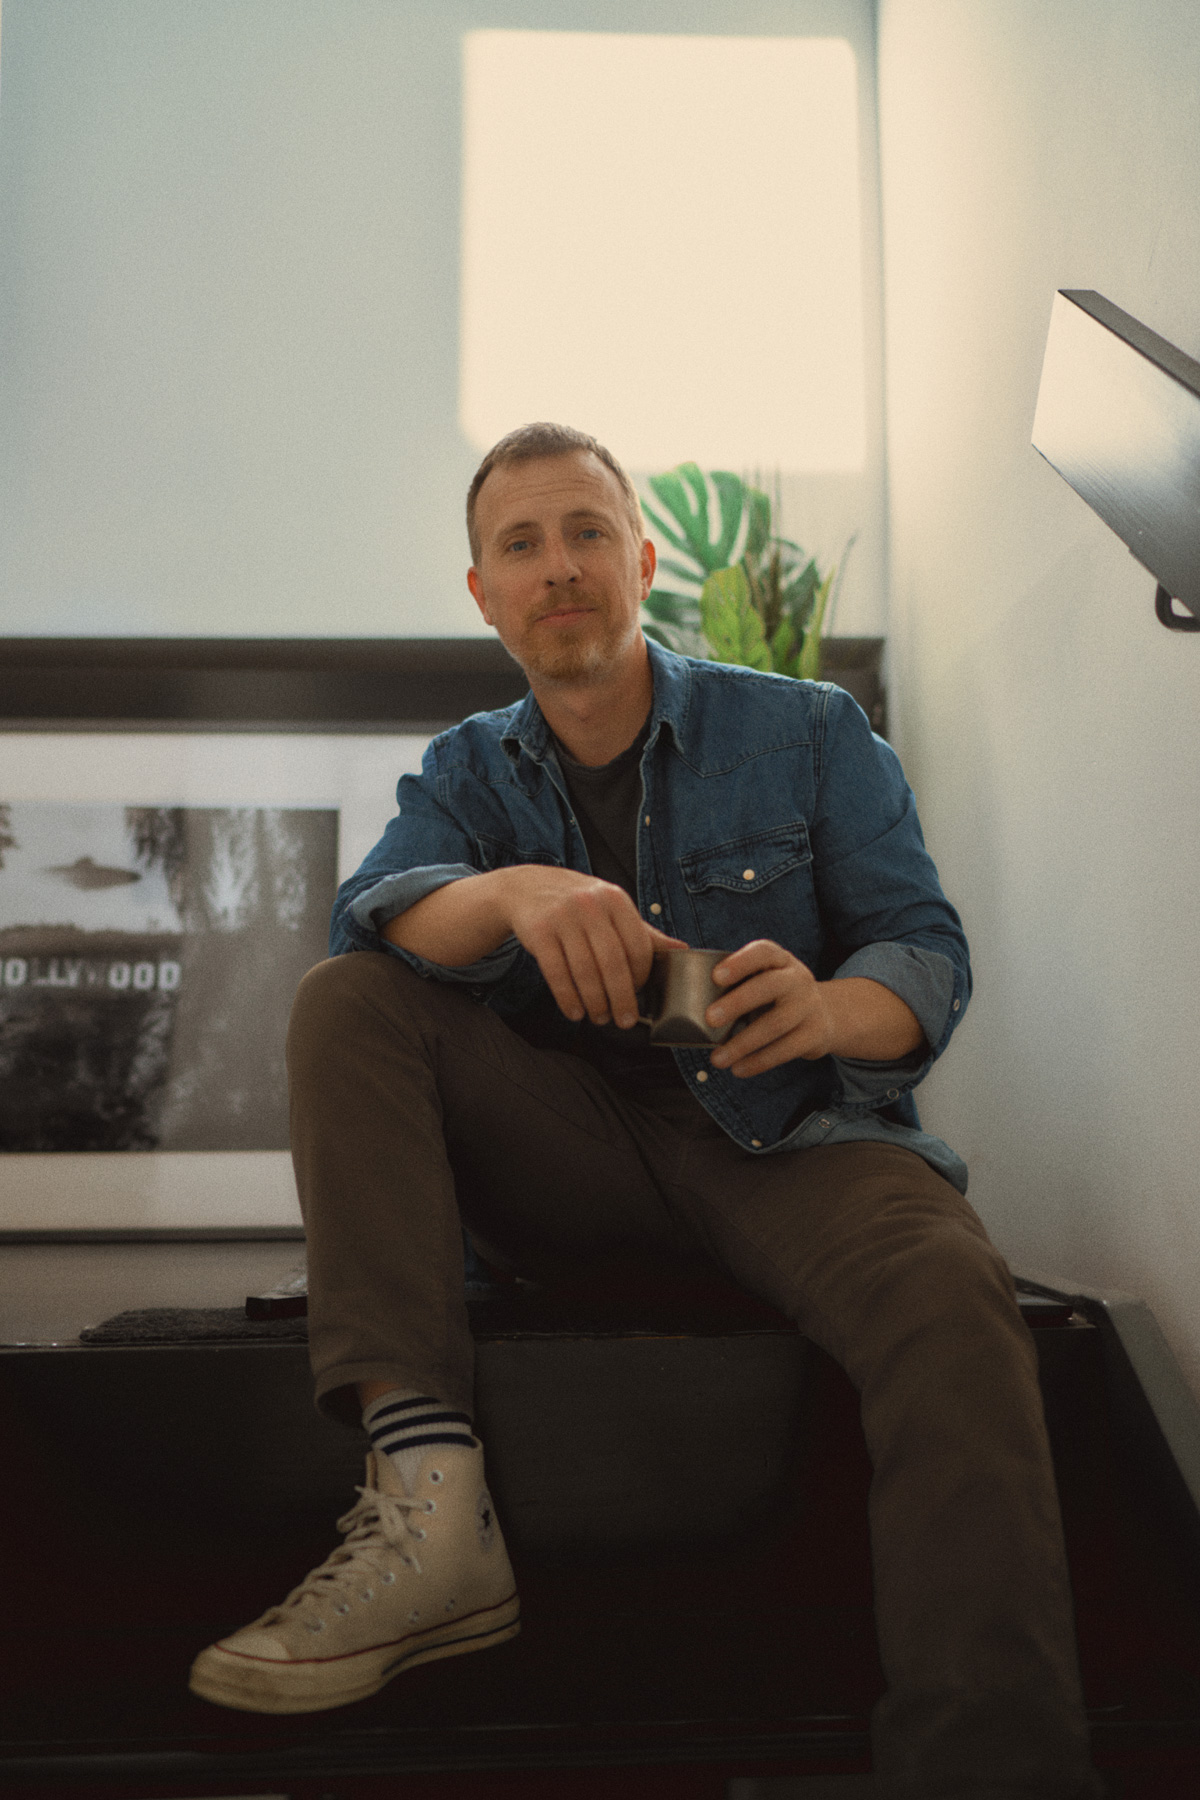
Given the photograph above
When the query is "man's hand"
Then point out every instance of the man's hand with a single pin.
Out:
(591, 943)
(807, 1018)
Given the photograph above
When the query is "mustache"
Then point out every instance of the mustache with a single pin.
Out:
(577, 599)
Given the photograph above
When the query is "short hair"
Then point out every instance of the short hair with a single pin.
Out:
(528, 442)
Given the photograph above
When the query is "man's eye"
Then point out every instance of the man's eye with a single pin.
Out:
(519, 544)
(590, 531)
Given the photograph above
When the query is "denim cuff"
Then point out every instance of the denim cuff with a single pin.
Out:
(924, 980)
(396, 893)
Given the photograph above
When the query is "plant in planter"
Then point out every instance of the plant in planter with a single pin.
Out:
(751, 596)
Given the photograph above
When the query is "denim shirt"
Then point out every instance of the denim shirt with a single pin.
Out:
(769, 810)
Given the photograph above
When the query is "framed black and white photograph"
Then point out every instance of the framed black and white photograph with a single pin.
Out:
(146, 958)
(161, 895)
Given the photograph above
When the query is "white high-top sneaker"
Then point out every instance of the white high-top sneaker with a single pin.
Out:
(419, 1576)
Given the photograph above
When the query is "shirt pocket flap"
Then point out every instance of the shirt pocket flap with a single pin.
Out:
(746, 864)
(497, 854)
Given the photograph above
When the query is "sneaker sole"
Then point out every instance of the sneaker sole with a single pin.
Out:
(255, 1684)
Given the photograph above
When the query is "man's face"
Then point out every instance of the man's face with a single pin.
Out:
(560, 574)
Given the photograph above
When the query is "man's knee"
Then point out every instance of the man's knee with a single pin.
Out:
(351, 999)
(930, 1270)
(340, 996)
(957, 1263)
(956, 1300)
(329, 986)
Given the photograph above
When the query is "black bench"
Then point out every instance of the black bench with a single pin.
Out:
(682, 1479)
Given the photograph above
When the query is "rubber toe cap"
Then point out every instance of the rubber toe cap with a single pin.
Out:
(255, 1643)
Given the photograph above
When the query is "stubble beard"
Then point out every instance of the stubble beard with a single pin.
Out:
(587, 654)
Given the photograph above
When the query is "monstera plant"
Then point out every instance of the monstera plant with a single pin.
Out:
(747, 595)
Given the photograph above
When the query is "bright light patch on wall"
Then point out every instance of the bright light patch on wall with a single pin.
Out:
(662, 246)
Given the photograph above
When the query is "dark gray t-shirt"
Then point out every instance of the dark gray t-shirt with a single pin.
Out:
(608, 803)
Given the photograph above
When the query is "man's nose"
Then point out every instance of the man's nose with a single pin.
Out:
(561, 562)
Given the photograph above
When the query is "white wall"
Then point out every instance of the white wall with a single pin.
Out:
(1050, 724)
(229, 319)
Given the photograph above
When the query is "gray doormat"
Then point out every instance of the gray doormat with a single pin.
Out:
(666, 1309)
(663, 1308)
(193, 1325)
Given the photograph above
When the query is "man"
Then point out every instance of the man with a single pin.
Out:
(478, 1061)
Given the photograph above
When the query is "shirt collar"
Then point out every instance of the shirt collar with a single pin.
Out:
(672, 678)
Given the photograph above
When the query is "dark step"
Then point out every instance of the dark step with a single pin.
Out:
(683, 1486)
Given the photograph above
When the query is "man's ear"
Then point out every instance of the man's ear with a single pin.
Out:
(476, 587)
(649, 564)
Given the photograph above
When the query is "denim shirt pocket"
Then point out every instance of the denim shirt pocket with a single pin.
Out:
(757, 886)
(496, 853)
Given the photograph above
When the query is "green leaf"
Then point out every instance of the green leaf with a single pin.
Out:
(782, 645)
(680, 638)
(731, 492)
(675, 609)
(758, 530)
(692, 521)
(798, 595)
(694, 476)
(669, 490)
(681, 574)
(731, 625)
(660, 525)
(684, 492)
(802, 582)
(809, 666)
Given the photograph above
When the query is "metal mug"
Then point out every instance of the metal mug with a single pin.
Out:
(677, 995)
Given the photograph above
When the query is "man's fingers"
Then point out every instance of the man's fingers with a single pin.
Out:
(591, 945)
(588, 977)
(764, 989)
(761, 954)
(791, 1024)
(753, 1037)
(638, 943)
(618, 953)
(783, 1049)
(557, 974)
(620, 949)
(600, 967)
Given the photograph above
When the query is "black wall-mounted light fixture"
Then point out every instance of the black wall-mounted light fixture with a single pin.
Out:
(1118, 415)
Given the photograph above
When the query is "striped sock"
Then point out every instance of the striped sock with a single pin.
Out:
(404, 1425)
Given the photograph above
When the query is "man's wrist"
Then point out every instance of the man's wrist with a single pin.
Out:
(867, 1021)
(457, 923)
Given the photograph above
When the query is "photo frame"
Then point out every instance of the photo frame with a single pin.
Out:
(225, 773)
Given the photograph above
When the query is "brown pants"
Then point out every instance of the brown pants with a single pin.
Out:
(413, 1107)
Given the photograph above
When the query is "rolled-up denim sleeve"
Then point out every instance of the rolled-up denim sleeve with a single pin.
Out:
(924, 980)
(424, 848)
(881, 898)
(396, 893)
